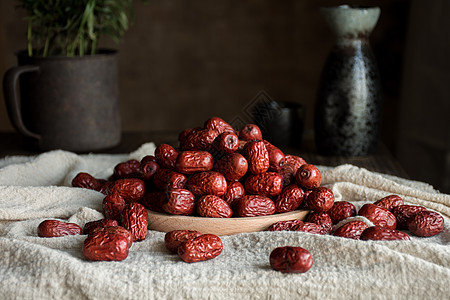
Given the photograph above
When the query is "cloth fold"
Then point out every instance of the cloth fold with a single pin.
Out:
(36, 188)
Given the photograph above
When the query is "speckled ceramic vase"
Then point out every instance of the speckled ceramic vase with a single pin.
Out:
(347, 111)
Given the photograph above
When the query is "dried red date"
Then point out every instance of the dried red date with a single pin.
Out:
(289, 259)
(308, 176)
(276, 157)
(378, 215)
(192, 161)
(131, 189)
(173, 239)
(148, 168)
(290, 199)
(179, 202)
(250, 132)
(87, 181)
(165, 179)
(90, 226)
(341, 210)
(135, 220)
(257, 156)
(199, 140)
(204, 247)
(265, 184)
(403, 212)
(351, 230)
(310, 228)
(254, 205)
(378, 233)
(233, 166)
(185, 133)
(55, 228)
(389, 202)
(226, 142)
(211, 206)
(426, 223)
(104, 246)
(115, 230)
(166, 156)
(235, 190)
(291, 164)
(322, 219)
(113, 206)
(207, 183)
(320, 199)
(218, 125)
(289, 225)
(128, 169)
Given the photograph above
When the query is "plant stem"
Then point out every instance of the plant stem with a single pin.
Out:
(29, 38)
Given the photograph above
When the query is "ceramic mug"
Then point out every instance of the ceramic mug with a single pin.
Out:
(281, 123)
(68, 103)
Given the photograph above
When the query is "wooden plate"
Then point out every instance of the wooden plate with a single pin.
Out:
(218, 226)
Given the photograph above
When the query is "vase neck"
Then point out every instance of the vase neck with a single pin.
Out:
(349, 23)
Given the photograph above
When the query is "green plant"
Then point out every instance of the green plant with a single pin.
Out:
(73, 27)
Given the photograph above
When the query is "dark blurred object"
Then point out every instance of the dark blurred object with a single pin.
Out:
(348, 107)
(281, 123)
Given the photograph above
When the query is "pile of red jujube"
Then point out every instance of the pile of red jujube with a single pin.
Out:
(218, 172)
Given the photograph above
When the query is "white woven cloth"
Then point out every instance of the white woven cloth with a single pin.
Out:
(33, 189)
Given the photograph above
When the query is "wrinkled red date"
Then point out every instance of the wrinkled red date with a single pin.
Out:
(128, 169)
(226, 142)
(173, 239)
(250, 132)
(179, 202)
(257, 156)
(320, 199)
(233, 166)
(276, 157)
(341, 210)
(87, 181)
(211, 206)
(218, 125)
(254, 205)
(131, 189)
(426, 223)
(166, 156)
(56, 228)
(351, 230)
(265, 184)
(235, 190)
(289, 225)
(135, 220)
(321, 218)
(113, 206)
(165, 179)
(192, 161)
(207, 183)
(204, 247)
(289, 259)
(103, 245)
(378, 233)
(290, 167)
(403, 212)
(290, 199)
(90, 226)
(199, 140)
(378, 215)
(389, 202)
(308, 176)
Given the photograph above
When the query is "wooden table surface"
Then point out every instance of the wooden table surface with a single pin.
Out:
(382, 161)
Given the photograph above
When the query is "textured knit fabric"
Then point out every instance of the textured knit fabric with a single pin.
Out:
(33, 189)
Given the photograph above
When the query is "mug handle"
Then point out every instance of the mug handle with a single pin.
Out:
(12, 102)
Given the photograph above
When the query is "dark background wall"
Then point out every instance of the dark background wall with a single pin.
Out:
(184, 61)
